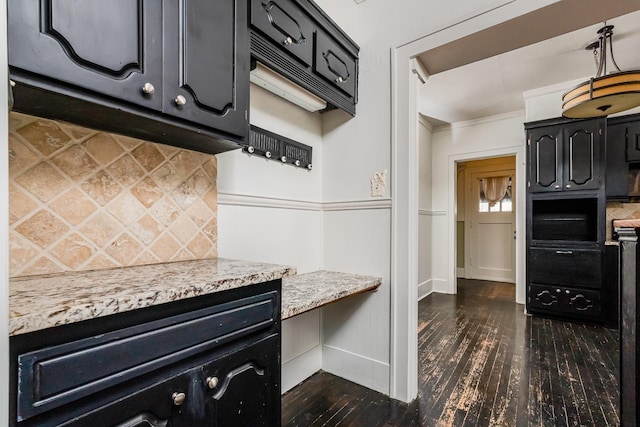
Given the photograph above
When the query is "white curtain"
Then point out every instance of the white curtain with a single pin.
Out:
(495, 188)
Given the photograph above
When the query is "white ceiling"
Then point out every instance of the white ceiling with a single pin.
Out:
(495, 85)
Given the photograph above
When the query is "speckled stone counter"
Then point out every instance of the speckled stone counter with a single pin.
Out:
(305, 292)
(39, 302)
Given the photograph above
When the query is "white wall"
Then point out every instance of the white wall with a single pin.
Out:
(425, 219)
(271, 212)
(490, 137)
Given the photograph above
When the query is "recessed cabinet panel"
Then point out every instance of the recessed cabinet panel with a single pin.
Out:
(284, 23)
(206, 67)
(335, 64)
(581, 163)
(545, 160)
(108, 47)
(566, 266)
(564, 301)
(633, 142)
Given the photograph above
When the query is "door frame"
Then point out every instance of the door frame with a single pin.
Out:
(519, 152)
(472, 173)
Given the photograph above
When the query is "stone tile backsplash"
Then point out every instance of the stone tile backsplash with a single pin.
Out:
(80, 200)
(618, 210)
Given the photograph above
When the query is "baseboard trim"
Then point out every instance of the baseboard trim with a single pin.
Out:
(460, 274)
(425, 288)
(361, 370)
(300, 368)
(441, 286)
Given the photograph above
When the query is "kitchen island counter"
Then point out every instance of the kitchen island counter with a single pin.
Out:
(40, 302)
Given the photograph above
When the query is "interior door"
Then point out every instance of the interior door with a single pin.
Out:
(491, 231)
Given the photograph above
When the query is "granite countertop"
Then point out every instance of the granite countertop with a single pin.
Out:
(305, 292)
(39, 302)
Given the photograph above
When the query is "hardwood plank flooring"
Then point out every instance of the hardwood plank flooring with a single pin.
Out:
(481, 362)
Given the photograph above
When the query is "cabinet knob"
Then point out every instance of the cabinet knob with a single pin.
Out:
(178, 398)
(212, 382)
(567, 292)
(297, 162)
(558, 290)
(267, 154)
(340, 80)
(309, 166)
(568, 186)
(180, 100)
(250, 149)
(148, 88)
(556, 187)
(283, 159)
(287, 41)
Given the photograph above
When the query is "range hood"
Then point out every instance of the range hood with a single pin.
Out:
(279, 85)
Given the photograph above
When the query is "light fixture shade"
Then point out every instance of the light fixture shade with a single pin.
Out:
(602, 96)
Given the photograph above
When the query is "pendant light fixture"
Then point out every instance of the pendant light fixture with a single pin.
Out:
(605, 93)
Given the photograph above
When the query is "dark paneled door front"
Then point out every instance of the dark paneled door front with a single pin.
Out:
(206, 63)
(110, 47)
(545, 159)
(582, 156)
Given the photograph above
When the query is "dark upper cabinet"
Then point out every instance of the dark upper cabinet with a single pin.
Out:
(633, 141)
(113, 48)
(298, 40)
(623, 157)
(284, 23)
(206, 79)
(565, 157)
(171, 71)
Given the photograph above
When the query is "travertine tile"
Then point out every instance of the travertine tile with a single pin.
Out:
(165, 211)
(166, 177)
(147, 192)
(21, 252)
(74, 206)
(183, 229)
(101, 228)
(184, 195)
(128, 143)
(43, 181)
(126, 171)
(75, 163)
(99, 262)
(184, 163)
(129, 203)
(148, 156)
(199, 213)
(124, 249)
(73, 251)
(211, 168)
(200, 245)
(103, 148)
(146, 229)
(21, 157)
(165, 247)
(42, 228)
(20, 205)
(45, 136)
(126, 208)
(102, 187)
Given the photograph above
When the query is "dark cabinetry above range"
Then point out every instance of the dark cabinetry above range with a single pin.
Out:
(298, 40)
(623, 157)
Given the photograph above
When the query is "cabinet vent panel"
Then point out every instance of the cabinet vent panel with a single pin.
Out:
(262, 141)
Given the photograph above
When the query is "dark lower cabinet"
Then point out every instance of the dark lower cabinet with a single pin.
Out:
(564, 301)
(205, 361)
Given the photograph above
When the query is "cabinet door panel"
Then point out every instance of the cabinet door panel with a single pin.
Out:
(633, 142)
(567, 267)
(545, 159)
(333, 63)
(582, 156)
(113, 48)
(284, 23)
(206, 65)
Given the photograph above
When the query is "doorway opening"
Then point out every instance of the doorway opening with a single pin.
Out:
(486, 219)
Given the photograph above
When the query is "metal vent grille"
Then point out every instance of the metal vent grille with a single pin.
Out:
(277, 147)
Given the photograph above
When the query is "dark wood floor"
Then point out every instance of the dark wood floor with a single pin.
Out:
(481, 362)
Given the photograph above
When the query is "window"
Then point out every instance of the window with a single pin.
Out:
(503, 204)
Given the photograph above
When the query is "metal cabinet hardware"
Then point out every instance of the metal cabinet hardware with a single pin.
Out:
(180, 100)
(148, 88)
(178, 398)
(212, 382)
